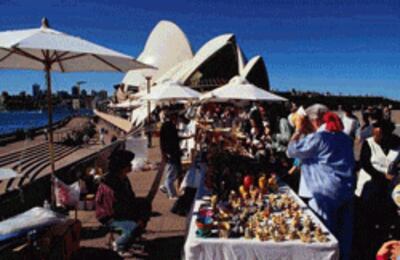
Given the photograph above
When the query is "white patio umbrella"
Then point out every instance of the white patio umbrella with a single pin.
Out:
(171, 91)
(239, 88)
(50, 50)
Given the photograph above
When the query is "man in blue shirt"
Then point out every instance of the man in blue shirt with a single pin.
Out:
(327, 168)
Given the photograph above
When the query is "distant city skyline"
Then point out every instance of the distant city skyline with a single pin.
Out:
(348, 47)
(36, 89)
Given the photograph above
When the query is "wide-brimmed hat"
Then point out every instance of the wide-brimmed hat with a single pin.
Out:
(122, 158)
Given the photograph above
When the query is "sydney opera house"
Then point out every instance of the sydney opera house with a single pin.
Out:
(214, 64)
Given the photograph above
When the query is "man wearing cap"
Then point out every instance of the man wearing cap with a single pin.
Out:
(327, 170)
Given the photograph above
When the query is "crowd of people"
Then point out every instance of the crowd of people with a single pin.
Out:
(79, 136)
(326, 145)
(329, 150)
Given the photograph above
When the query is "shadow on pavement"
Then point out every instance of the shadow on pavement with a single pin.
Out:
(155, 214)
(93, 232)
(159, 248)
(95, 253)
(165, 248)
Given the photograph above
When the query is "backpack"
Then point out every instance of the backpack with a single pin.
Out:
(104, 203)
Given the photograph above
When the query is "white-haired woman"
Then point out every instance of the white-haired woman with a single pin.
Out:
(328, 171)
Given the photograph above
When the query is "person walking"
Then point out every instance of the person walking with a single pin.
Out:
(46, 134)
(350, 122)
(102, 136)
(171, 154)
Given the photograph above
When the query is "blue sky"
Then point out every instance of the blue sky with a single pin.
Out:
(349, 47)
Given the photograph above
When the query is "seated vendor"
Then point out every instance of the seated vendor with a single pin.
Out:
(379, 159)
(129, 214)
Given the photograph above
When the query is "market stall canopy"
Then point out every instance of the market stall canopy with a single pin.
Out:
(239, 88)
(171, 91)
(35, 48)
(126, 104)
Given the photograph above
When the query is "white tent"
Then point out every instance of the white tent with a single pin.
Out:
(164, 92)
(240, 89)
(171, 91)
(126, 104)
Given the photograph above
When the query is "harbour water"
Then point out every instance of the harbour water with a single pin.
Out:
(10, 121)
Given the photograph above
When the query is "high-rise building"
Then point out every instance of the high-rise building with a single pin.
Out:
(2, 101)
(36, 90)
(63, 94)
(102, 94)
(75, 91)
(5, 94)
(83, 93)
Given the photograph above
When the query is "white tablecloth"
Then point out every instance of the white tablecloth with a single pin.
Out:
(197, 248)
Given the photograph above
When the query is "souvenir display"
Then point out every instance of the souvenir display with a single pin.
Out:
(259, 212)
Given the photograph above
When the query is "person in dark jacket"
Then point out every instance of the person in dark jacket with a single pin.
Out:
(171, 153)
(379, 158)
(130, 214)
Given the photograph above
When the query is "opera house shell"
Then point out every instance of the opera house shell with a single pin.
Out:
(168, 49)
(213, 65)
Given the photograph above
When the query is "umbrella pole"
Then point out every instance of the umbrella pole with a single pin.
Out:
(50, 128)
(148, 128)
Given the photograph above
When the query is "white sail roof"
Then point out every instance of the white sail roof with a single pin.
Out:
(250, 65)
(205, 52)
(241, 59)
(166, 46)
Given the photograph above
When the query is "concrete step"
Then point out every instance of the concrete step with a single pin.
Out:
(14, 156)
